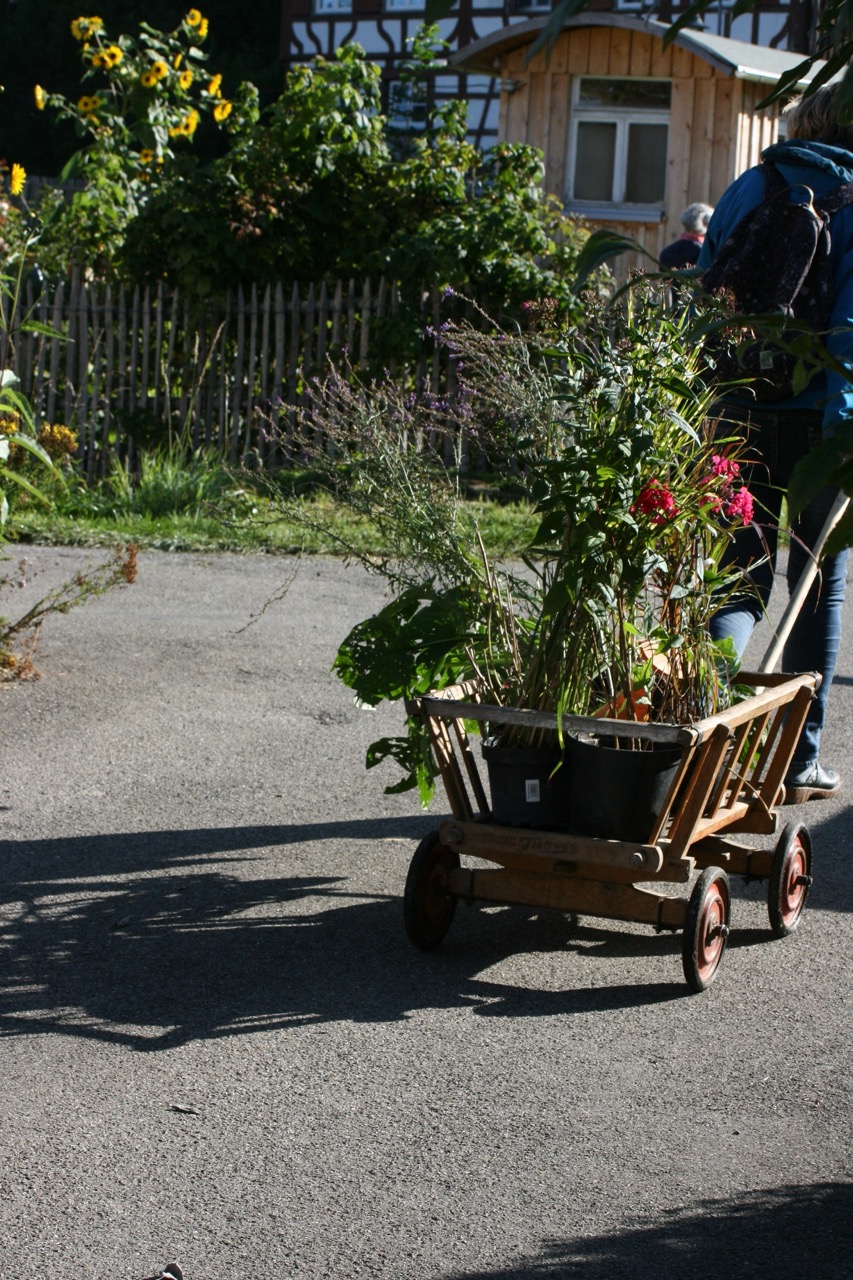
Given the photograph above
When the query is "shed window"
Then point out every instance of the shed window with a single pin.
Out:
(619, 138)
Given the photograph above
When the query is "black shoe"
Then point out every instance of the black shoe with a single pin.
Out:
(810, 782)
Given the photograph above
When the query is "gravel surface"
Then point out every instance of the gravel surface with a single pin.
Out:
(219, 1047)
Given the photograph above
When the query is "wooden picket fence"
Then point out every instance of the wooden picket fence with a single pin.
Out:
(126, 368)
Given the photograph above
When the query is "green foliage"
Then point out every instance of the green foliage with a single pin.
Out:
(318, 187)
(632, 499)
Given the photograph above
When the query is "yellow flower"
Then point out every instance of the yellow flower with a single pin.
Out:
(148, 79)
(113, 55)
(87, 104)
(40, 97)
(58, 441)
(146, 155)
(17, 179)
(190, 124)
(9, 423)
(179, 57)
(202, 29)
(185, 79)
(81, 27)
(222, 110)
(100, 60)
(159, 70)
(193, 18)
(214, 87)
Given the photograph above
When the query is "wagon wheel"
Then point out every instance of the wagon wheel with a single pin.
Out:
(427, 906)
(790, 879)
(706, 928)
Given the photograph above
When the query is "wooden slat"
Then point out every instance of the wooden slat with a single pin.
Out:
(704, 102)
(640, 62)
(680, 144)
(620, 52)
(609, 900)
(577, 58)
(722, 168)
(547, 850)
(249, 399)
(539, 113)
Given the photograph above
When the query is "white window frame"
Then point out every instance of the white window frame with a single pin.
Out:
(333, 6)
(623, 118)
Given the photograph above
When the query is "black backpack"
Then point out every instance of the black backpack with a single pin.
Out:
(776, 261)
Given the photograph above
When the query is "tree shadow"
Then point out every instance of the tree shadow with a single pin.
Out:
(154, 939)
(784, 1233)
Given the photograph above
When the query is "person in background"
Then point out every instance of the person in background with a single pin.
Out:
(684, 252)
(818, 153)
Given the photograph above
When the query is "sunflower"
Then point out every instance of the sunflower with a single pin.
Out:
(40, 97)
(193, 18)
(17, 178)
(185, 79)
(222, 110)
(202, 29)
(214, 88)
(148, 79)
(159, 70)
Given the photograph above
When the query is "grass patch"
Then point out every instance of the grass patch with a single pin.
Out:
(192, 517)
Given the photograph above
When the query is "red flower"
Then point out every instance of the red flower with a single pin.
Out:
(721, 466)
(740, 507)
(656, 502)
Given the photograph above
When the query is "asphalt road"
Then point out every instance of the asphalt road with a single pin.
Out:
(218, 1045)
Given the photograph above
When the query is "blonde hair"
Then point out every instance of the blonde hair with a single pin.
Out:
(814, 119)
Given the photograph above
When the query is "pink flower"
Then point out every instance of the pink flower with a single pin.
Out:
(721, 466)
(741, 506)
(656, 501)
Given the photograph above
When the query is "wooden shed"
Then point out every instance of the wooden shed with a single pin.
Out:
(631, 131)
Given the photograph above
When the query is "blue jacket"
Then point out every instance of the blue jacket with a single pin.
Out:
(821, 167)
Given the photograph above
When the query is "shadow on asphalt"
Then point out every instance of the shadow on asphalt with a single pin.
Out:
(107, 939)
(785, 1233)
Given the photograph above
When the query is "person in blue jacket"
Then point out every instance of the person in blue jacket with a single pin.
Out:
(817, 153)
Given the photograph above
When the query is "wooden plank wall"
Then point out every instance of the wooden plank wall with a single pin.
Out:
(715, 132)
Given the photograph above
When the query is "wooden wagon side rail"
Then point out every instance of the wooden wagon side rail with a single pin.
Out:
(730, 776)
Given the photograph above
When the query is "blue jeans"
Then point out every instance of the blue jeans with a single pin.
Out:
(777, 440)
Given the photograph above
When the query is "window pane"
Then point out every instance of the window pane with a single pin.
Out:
(594, 161)
(636, 94)
(645, 180)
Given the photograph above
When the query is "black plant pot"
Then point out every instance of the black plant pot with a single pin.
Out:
(616, 793)
(525, 790)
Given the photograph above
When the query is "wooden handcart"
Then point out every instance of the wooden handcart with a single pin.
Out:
(728, 782)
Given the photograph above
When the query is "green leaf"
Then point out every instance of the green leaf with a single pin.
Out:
(601, 247)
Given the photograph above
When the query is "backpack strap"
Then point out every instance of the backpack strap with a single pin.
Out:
(774, 183)
(831, 201)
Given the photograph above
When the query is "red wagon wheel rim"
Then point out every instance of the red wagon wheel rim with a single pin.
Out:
(712, 931)
(795, 881)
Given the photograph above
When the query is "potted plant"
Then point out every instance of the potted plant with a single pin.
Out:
(632, 499)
